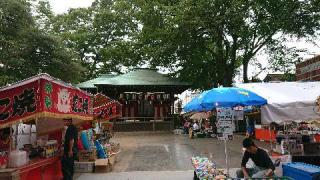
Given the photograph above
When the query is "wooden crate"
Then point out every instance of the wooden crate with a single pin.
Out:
(87, 156)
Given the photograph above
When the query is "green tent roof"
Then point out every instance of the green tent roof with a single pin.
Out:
(141, 77)
(90, 84)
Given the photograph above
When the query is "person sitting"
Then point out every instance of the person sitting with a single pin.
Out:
(264, 167)
(196, 127)
(186, 126)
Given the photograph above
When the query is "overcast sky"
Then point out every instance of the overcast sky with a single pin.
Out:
(62, 6)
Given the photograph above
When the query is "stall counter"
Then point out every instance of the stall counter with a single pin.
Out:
(39, 169)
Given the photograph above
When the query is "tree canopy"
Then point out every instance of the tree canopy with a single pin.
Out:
(26, 50)
(205, 42)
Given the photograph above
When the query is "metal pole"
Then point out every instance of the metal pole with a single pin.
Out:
(270, 139)
(226, 155)
(11, 139)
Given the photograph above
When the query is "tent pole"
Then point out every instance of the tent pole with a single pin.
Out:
(11, 139)
(226, 155)
(270, 139)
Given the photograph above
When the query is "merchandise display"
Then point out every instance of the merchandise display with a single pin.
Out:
(103, 152)
(51, 149)
(205, 169)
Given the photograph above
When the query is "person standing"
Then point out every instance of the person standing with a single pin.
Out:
(70, 150)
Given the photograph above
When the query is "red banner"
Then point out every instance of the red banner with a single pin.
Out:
(64, 99)
(19, 102)
(106, 108)
(43, 96)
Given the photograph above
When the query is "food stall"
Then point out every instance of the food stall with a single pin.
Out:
(39, 103)
(99, 154)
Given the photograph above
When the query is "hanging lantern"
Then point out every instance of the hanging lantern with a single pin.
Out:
(152, 97)
(127, 96)
(168, 96)
(164, 96)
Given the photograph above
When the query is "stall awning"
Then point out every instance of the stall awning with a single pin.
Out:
(105, 108)
(42, 97)
(287, 101)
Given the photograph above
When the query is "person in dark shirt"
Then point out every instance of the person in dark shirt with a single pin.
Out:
(70, 150)
(264, 167)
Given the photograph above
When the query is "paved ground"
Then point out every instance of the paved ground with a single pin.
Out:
(167, 155)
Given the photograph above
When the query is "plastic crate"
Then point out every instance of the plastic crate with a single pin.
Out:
(301, 171)
(83, 167)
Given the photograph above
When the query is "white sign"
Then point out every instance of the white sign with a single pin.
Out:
(224, 114)
(225, 126)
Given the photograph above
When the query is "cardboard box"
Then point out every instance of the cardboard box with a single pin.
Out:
(87, 156)
(102, 166)
(83, 167)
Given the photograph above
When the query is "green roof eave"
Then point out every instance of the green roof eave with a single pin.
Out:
(90, 83)
(141, 77)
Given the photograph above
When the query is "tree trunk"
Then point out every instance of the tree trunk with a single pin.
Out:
(245, 71)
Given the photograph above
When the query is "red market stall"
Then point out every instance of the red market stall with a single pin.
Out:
(106, 109)
(44, 101)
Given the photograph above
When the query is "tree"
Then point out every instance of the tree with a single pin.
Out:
(100, 35)
(206, 41)
(26, 49)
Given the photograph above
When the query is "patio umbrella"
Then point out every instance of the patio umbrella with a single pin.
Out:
(195, 104)
(230, 97)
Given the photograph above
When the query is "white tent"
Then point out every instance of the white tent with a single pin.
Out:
(287, 101)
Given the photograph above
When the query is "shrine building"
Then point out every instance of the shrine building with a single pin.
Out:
(146, 96)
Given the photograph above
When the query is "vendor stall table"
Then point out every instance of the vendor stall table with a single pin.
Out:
(42, 169)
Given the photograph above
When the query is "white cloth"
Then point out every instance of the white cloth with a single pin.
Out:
(195, 127)
(287, 101)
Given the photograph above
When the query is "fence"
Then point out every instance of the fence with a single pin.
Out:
(129, 124)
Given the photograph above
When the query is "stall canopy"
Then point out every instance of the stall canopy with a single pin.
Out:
(43, 97)
(105, 108)
(287, 101)
(200, 115)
